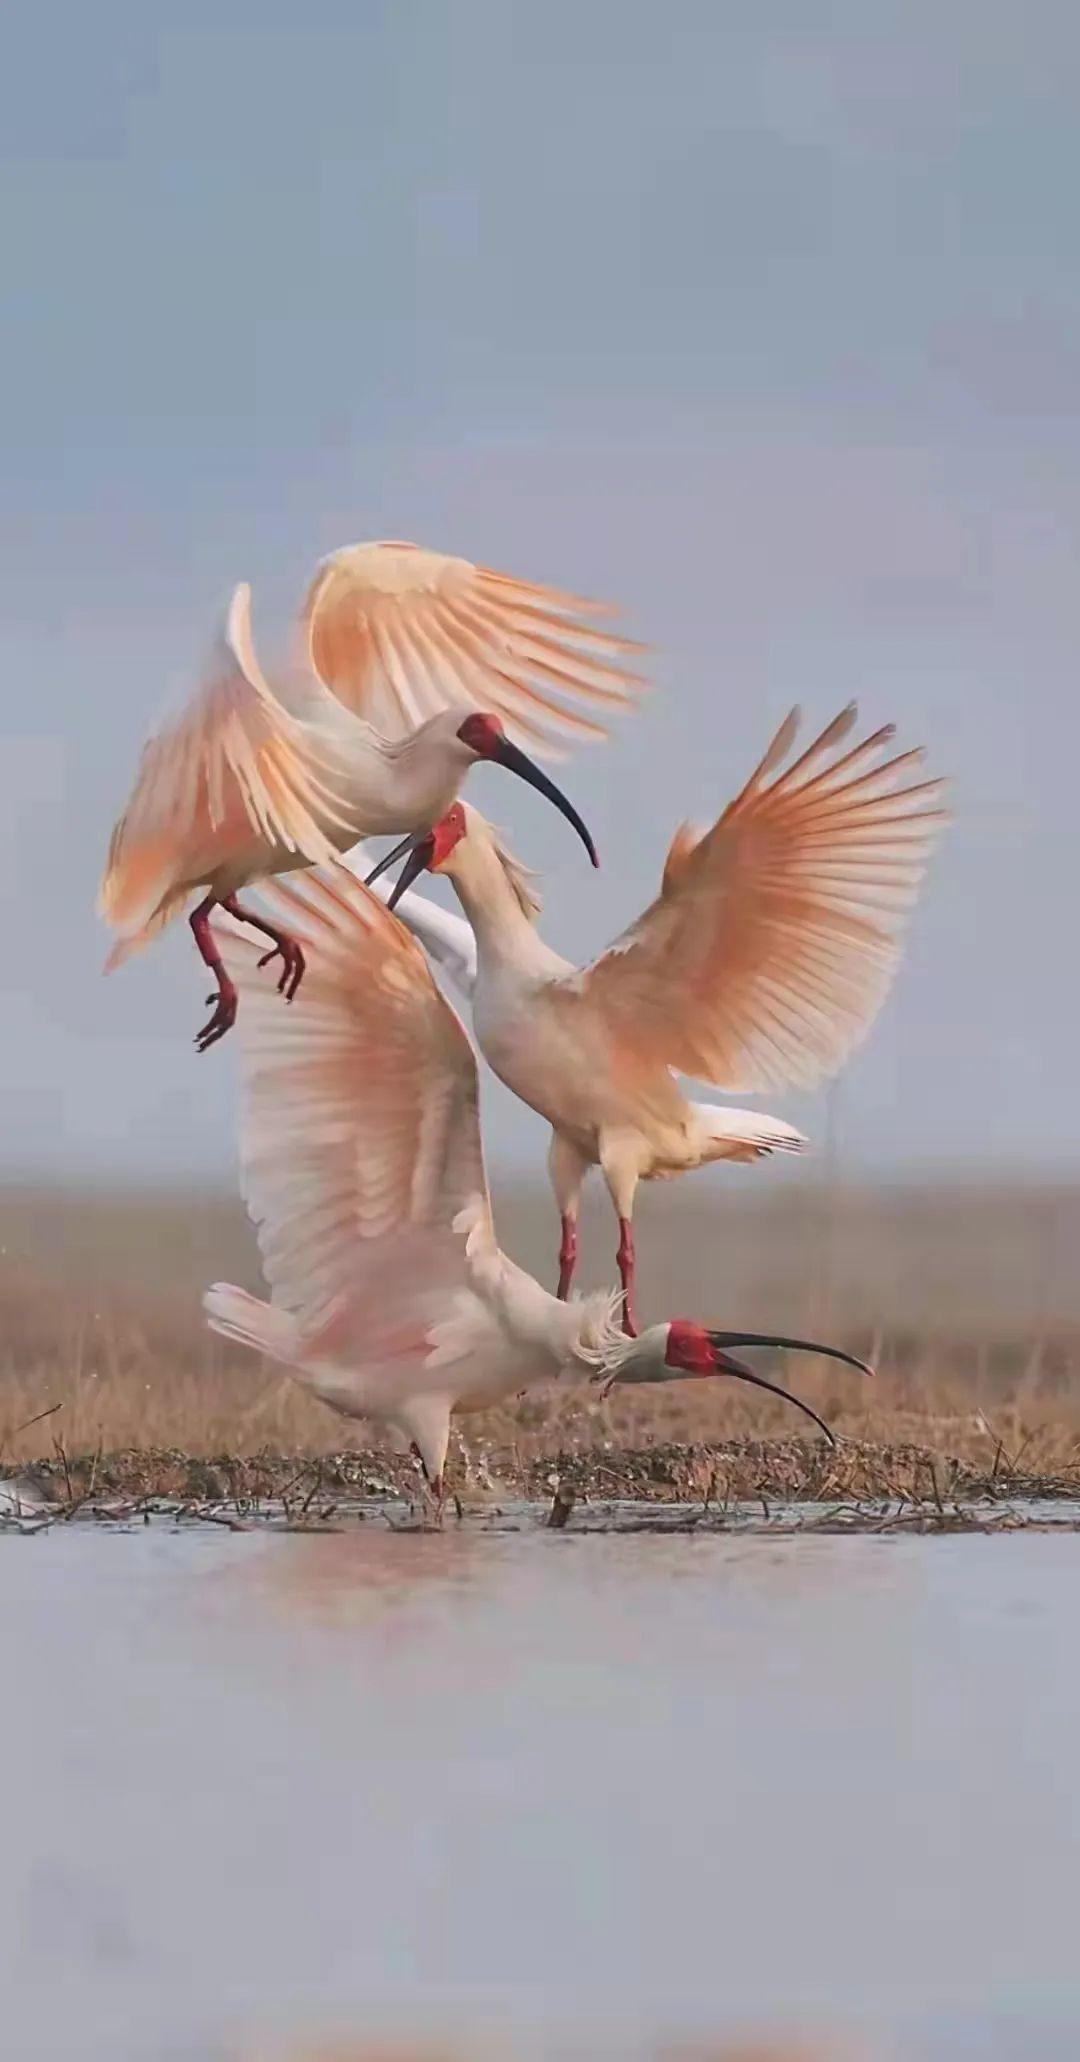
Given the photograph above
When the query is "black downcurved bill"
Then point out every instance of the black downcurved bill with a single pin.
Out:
(740, 1373)
(420, 846)
(722, 1339)
(391, 858)
(419, 858)
(519, 762)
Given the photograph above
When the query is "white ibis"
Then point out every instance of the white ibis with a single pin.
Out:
(363, 1170)
(423, 664)
(762, 962)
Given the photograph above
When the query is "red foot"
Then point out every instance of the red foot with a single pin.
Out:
(627, 1268)
(224, 995)
(293, 964)
(224, 1016)
(568, 1252)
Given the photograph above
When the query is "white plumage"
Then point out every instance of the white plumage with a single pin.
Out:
(762, 962)
(363, 1171)
(422, 664)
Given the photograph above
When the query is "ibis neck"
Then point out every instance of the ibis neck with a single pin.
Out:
(400, 784)
(504, 933)
(640, 1359)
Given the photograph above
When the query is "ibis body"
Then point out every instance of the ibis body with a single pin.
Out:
(413, 666)
(363, 1169)
(761, 963)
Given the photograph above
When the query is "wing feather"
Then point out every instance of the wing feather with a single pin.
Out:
(775, 937)
(234, 764)
(399, 633)
(360, 1137)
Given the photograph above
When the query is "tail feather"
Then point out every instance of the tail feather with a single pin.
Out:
(125, 948)
(251, 1322)
(745, 1134)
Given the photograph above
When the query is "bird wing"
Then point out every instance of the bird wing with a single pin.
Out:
(360, 1135)
(772, 943)
(400, 634)
(235, 762)
(447, 939)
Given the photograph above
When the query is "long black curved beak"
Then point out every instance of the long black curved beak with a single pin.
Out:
(420, 846)
(506, 754)
(722, 1339)
(728, 1365)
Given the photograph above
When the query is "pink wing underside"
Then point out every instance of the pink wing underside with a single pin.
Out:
(773, 943)
(232, 780)
(400, 634)
(360, 1134)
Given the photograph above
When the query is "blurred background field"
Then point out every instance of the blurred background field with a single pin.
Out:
(966, 1298)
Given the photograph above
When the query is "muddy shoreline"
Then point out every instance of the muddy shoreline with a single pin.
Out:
(894, 1482)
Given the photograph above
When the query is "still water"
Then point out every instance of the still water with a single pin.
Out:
(537, 1795)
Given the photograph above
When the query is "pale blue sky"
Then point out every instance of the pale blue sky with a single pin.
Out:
(762, 318)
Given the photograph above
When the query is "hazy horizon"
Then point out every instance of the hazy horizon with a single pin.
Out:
(769, 335)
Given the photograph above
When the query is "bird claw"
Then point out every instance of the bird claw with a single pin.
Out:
(223, 1019)
(293, 966)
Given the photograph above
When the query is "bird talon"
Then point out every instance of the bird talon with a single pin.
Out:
(223, 1019)
(292, 966)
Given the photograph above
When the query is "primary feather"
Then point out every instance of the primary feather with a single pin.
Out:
(400, 634)
(776, 934)
(234, 774)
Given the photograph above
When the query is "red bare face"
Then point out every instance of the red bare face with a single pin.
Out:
(690, 1348)
(447, 833)
(483, 734)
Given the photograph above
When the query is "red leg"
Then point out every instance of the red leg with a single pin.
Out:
(567, 1257)
(627, 1266)
(224, 997)
(292, 958)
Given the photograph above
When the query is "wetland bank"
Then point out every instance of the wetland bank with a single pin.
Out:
(966, 1300)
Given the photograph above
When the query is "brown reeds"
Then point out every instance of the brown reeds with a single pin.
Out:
(966, 1300)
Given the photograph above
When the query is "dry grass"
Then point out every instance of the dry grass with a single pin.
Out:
(968, 1302)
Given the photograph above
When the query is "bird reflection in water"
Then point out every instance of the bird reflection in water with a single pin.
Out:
(371, 1572)
(578, 2047)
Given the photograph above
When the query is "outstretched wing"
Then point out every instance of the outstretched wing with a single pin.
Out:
(360, 1137)
(775, 935)
(400, 634)
(233, 765)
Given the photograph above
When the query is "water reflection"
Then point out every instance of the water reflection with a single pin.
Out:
(359, 2052)
(374, 1570)
(573, 2047)
(370, 1575)
(340, 1798)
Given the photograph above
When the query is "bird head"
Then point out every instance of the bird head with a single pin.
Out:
(461, 834)
(423, 851)
(483, 736)
(681, 1350)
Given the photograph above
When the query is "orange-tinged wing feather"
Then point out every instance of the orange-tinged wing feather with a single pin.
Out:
(775, 937)
(234, 767)
(360, 1137)
(399, 633)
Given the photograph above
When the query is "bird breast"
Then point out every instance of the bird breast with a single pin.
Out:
(404, 792)
(556, 1059)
